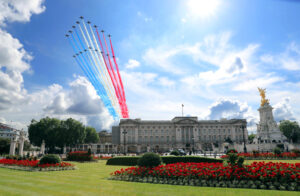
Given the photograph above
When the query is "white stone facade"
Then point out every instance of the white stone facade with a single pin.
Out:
(267, 129)
(189, 133)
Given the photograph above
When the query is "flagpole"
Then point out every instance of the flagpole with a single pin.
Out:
(182, 110)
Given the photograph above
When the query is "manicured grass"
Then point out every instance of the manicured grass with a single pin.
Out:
(91, 179)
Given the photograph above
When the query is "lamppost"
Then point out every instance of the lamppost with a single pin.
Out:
(193, 149)
(245, 148)
(124, 132)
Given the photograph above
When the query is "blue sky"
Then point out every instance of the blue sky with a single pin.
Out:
(209, 56)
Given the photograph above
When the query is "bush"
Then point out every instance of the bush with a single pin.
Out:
(132, 161)
(297, 151)
(126, 161)
(232, 158)
(149, 160)
(231, 151)
(175, 153)
(240, 161)
(50, 159)
(277, 151)
(189, 159)
(80, 156)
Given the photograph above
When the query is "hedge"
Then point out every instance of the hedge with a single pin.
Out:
(189, 159)
(132, 161)
(126, 161)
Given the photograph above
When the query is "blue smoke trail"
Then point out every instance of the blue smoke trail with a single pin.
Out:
(84, 65)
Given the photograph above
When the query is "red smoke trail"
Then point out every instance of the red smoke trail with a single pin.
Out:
(115, 77)
(109, 72)
(120, 80)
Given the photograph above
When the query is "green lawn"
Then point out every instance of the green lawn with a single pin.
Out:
(90, 179)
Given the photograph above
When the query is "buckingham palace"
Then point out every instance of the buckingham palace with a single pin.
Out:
(188, 133)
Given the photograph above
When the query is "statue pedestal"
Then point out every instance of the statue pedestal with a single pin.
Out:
(12, 149)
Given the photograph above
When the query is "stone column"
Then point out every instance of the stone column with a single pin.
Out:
(65, 149)
(21, 146)
(42, 151)
(12, 149)
(138, 148)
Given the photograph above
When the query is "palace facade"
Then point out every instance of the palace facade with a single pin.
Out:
(188, 133)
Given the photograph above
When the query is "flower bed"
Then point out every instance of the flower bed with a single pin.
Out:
(258, 175)
(267, 155)
(80, 156)
(33, 165)
(102, 157)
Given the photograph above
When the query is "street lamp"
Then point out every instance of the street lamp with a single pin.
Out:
(124, 132)
(245, 148)
(193, 149)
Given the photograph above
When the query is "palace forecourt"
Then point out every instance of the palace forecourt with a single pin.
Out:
(188, 133)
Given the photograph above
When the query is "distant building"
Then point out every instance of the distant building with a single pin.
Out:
(189, 133)
(105, 137)
(8, 132)
(104, 144)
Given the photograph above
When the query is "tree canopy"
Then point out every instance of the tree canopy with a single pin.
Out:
(251, 137)
(91, 135)
(4, 145)
(58, 133)
(290, 129)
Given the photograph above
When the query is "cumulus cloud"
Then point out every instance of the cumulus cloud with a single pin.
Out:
(20, 11)
(289, 59)
(233, 109)
(14, 59)
(132, 63)
(81, 101)
(283, 110)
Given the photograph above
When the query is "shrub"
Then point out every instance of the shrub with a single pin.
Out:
(297, 151)
(277, 151)
(50, 159)
(127, 161)
(80, 156)
(240, 161)
(189, 159)
(175, 153)
(132, 161)
(232, 158)
(149, 160)
(231, 151)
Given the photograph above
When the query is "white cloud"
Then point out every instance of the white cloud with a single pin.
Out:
(19, 10)
(283, 110)
(262, 81)
(132, 63)
(289, 59)
(233, 109)
(14, 59)
(164, 81)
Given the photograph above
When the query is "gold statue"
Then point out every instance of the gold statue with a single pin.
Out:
(262, 93)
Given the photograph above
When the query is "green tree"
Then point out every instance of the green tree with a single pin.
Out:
(43, 130)
(58, 133)
(27, 145)
(251, 137)
(91, 135)
(4, 145)
(290, 129)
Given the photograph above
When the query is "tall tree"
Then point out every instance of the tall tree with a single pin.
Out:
(251, 137)
(290, 129)
(91, 135)
(4, 145)
(58, 133)
(43, 130)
